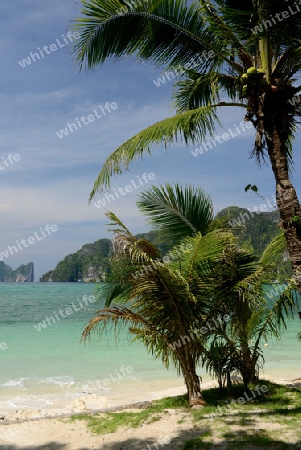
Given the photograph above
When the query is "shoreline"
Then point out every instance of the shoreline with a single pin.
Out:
(172, 430)
(93, 403)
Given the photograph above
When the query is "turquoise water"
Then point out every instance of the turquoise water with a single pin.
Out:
(38, 366)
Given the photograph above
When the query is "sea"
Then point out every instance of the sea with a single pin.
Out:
(44, 363)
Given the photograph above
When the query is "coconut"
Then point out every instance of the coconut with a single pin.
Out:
(244, 90)
(251, 70)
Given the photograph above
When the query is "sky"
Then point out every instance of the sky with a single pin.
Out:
(47, 179)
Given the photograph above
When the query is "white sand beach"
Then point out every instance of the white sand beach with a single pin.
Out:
(52, 429)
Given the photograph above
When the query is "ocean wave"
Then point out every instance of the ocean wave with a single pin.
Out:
(14, 383)
(59, 380)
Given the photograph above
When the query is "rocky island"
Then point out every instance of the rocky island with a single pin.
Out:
(23, 274)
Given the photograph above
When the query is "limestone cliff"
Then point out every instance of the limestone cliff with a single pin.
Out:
(23, 274)
(89, 264)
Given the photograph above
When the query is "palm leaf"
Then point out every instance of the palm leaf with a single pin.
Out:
(177, 211)
(189, 126)
(288, 64)
(241, 18)
(274, 250)
(202, 89)
(204, 249)
(151, 30)
(226, 33)
(116, 316)
(123, 230)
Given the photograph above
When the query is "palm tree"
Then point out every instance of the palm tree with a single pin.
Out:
(153, 293)
(156, 300)
(231, 56)
(237, 289)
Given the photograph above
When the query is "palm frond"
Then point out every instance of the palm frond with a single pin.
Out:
(262, 326)
(189, 126)
(204, 251)
(202, 89)
(238, 265)
(226, 33)
(285, 306)
(241, 18)
(265, 17)
(116, 221)
(116, 316)
(272, 252)
(148, 248)
(152, 30)
(109, 292)
(288, 64)
(177, 211)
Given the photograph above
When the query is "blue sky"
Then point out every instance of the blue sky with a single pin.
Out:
(51, 182)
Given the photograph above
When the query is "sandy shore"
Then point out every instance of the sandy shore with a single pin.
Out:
(52, 430)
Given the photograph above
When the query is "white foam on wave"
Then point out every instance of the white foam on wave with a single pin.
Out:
(60, 380)
(15, 383)
(32, 401)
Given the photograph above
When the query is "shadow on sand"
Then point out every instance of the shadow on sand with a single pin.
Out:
(240, 439)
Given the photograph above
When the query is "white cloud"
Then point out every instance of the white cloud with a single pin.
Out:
(31, 96)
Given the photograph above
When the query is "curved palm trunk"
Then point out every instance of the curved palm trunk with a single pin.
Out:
(191, 379)
(274, 122)
(287, 202)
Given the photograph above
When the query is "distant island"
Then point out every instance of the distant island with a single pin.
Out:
(23, 274)
(90, 263)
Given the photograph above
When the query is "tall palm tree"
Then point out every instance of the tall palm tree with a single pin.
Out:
(232, 55)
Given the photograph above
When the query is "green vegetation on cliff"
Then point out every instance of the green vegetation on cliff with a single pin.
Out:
(90, 263)
(258, 228)
(87, 264)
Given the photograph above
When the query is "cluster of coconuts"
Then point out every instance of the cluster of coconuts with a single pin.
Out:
(252, 81)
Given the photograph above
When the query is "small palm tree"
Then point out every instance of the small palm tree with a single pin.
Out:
(156, 300)
(232, 54)
(219, 360)
(237, 289)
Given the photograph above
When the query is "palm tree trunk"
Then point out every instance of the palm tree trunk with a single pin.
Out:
(287, 202)
(229, 383)
(248, 367)
(192, 380)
